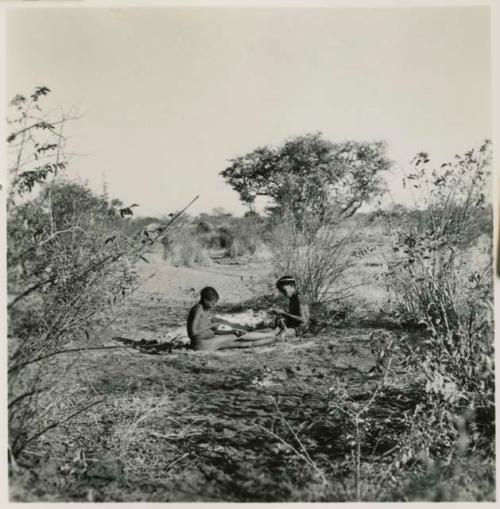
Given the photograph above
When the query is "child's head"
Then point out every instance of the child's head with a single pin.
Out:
(209, 297)
(286, 285)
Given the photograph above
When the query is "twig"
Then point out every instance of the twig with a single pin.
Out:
(176, 461)
(182, 211)
(48, 239)
(293, 433)
(56, 424)
(172, 437)
(190, 406)
(305, 454)
(299, 454)
(76, 277)
(171, 221)
(26, 395)
(72, 350)
(93, 267)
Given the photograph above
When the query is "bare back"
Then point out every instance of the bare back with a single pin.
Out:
(198, 323)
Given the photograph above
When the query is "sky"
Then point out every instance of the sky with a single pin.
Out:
(170, 95)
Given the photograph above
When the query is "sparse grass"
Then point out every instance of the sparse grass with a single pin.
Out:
(351, 411)
(241, 426)
(318, 254)
(203, 412)
(187, 251)
(259, 425)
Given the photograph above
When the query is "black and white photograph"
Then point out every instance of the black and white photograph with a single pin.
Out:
(249, 252)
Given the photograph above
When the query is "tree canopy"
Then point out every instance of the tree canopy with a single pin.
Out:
(310, 173)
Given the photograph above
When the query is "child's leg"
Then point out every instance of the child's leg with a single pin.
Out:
(258, 334)
(286, 333)
(214, 343)
(226, 341)
(238, 343)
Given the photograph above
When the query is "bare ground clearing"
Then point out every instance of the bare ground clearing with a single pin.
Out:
(247, 425)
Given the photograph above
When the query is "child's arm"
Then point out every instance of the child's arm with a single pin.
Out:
(300, 318)
(220, 321)
(217, 332)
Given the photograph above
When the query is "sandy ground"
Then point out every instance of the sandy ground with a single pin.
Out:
(233, 282)
(198, 426)
(159, 308)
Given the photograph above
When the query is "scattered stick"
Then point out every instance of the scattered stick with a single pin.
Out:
(176, 461)
(83, 349)
(56, 424)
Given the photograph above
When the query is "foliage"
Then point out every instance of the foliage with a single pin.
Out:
(456, 372)
(237, 236)
(68, 267)
(311, 174)
(435, 280)
(249, 234)
(188, 252)
(318, 253)
(411, 418)
(256, 427)
(430, 276)
(36, 144)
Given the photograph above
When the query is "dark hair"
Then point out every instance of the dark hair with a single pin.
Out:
(285, 280)
(209, 293)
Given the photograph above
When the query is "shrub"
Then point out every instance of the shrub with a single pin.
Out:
(236, 236)
(434, 280)
(67, 267)
(241, 247)
(318, 254)
(225, 238)
(74, 268)
(247, 239)
(203, 227)
(429, 275)
(248, 236)
(186, 250)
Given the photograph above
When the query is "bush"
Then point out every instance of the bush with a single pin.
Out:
(236, 236)
(434, 280)
(318, 254)
(73, 269)
(241, 247)
(247, 239)
(67, 267)
(225, 238)
(186, 250)
(203, 227)
(431, 273)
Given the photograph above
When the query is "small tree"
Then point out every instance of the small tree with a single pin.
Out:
(430, 267)
(67, 268)
(434, 279)
(311, 174)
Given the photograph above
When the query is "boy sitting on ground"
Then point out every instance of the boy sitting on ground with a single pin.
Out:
(294, 322)
(204, 334)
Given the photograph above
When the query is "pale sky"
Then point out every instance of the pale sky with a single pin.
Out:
(171, 94)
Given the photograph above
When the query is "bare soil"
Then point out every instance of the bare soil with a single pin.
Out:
(243, 425)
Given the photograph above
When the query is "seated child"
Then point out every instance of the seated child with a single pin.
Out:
(294, 322)
(204, 334)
